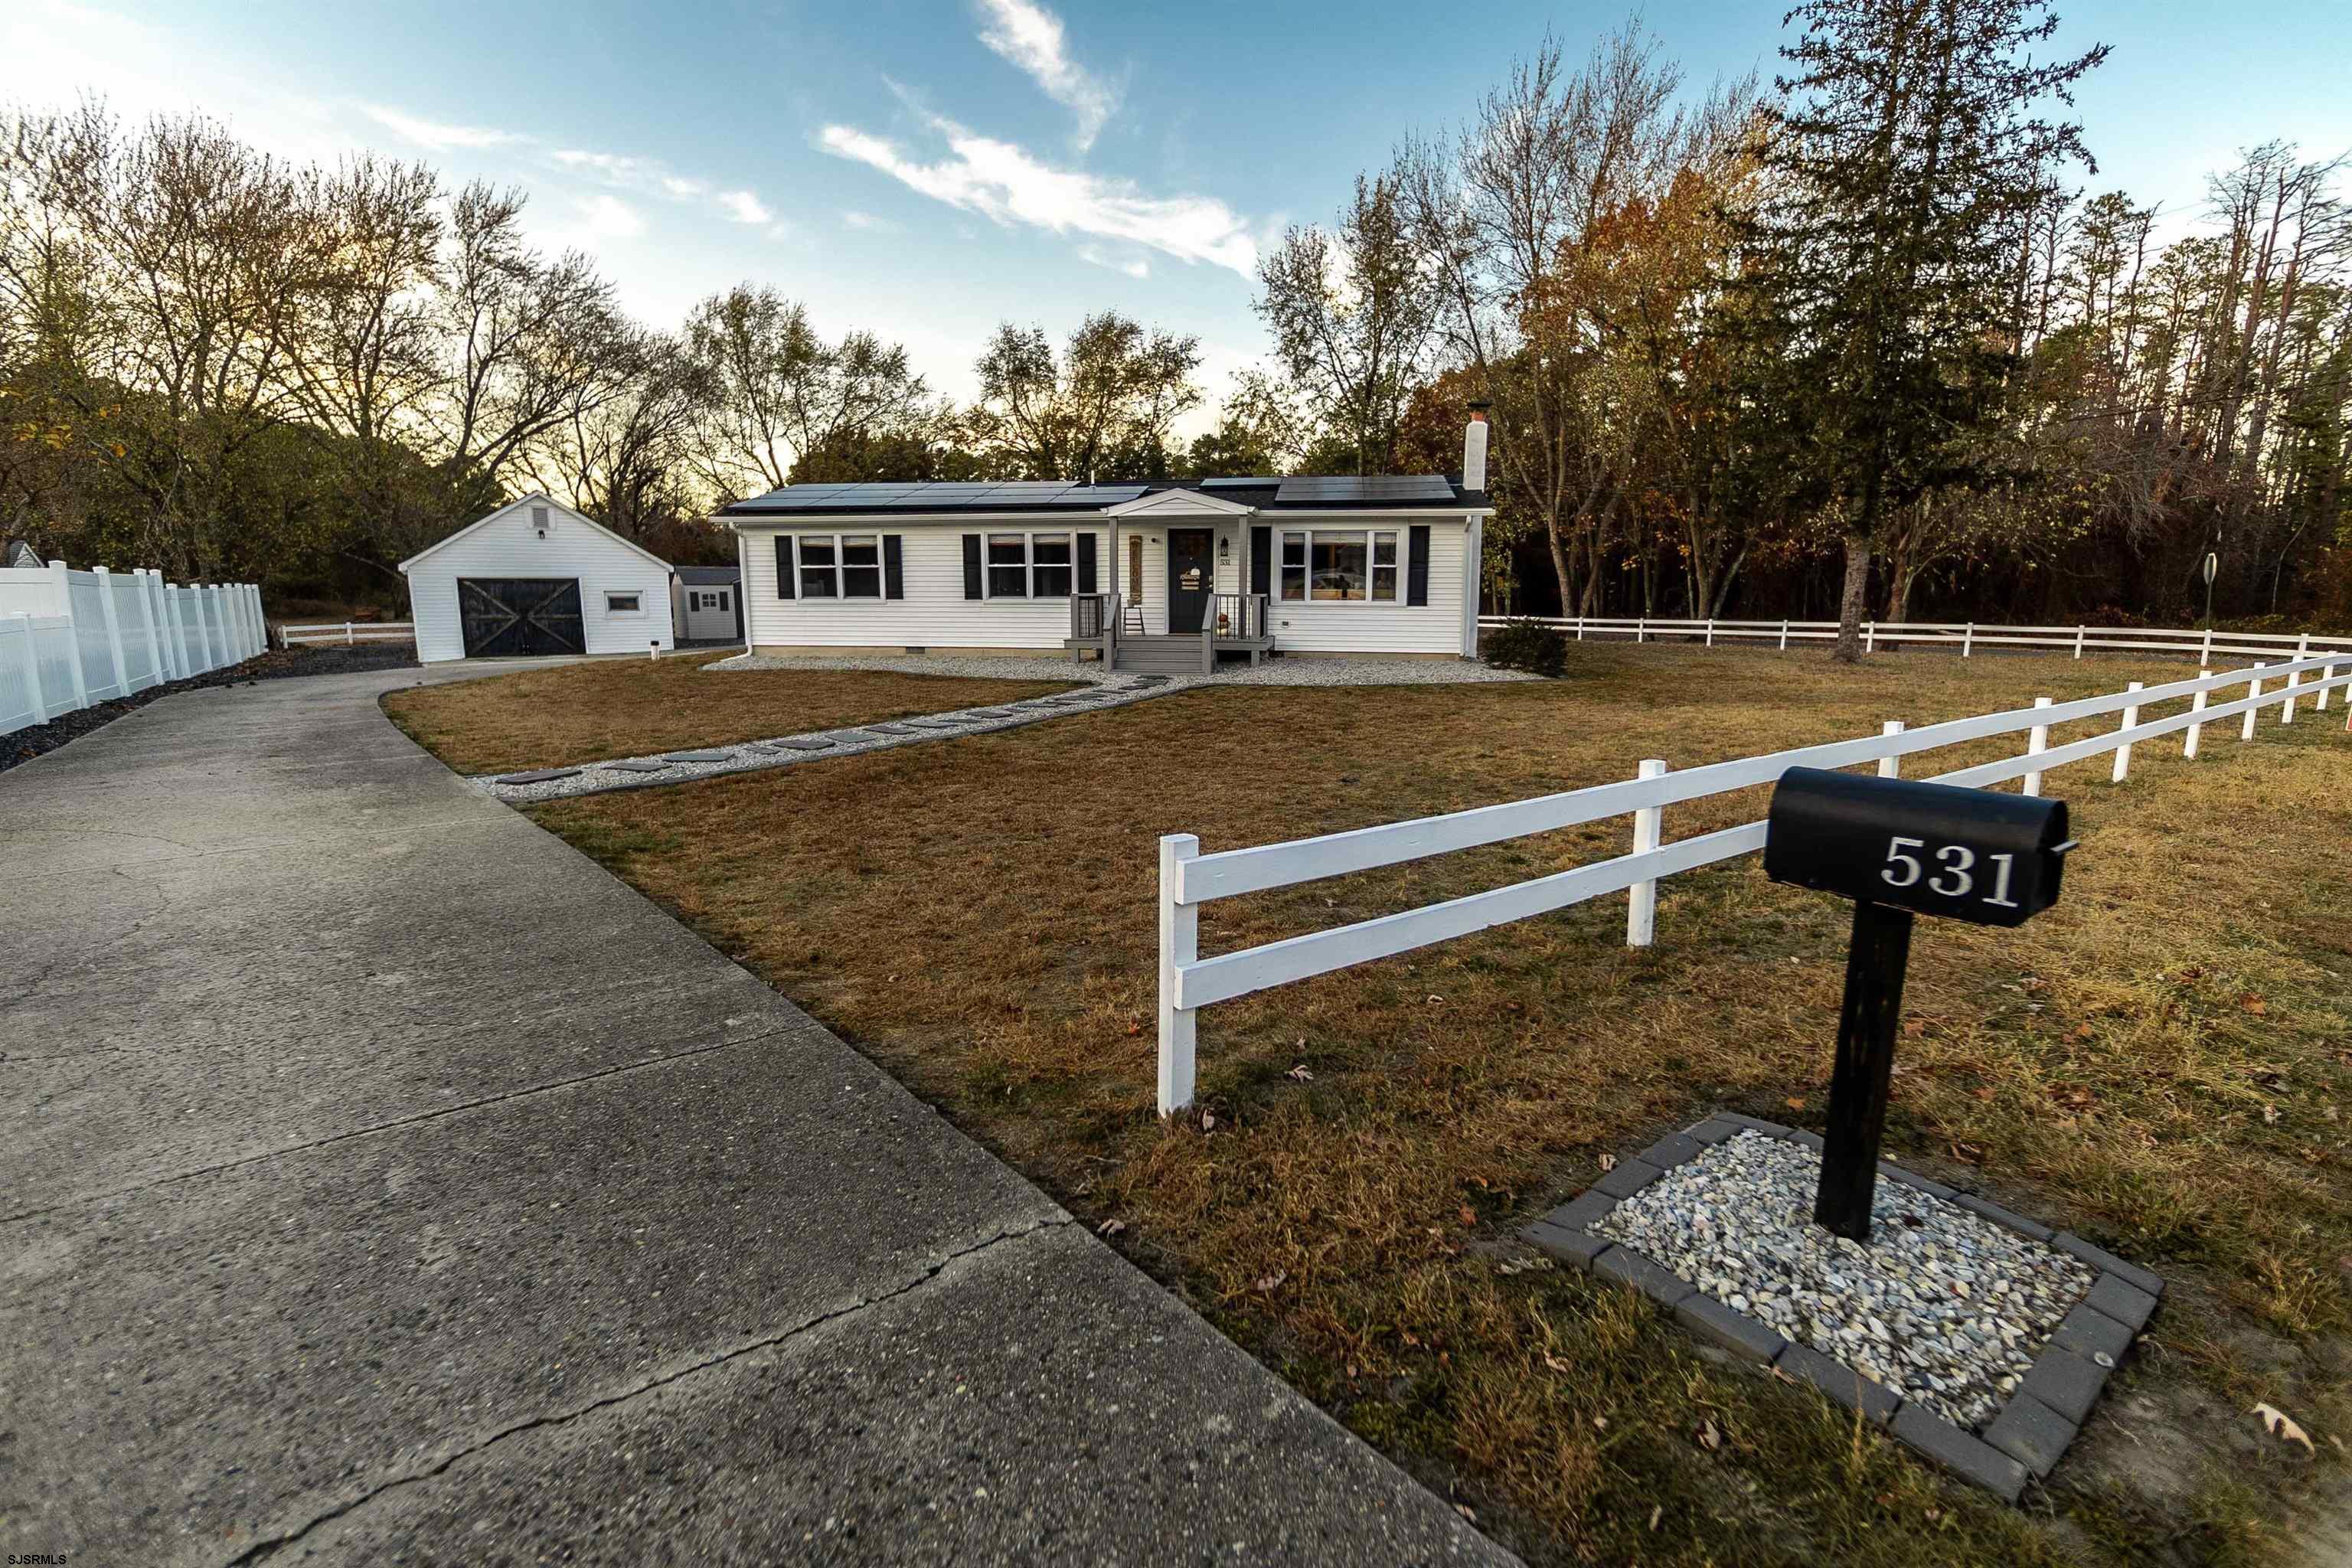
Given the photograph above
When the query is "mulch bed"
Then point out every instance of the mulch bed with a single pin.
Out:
(279, 664)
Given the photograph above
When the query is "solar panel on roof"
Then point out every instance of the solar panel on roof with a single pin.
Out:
(1366, 488)
(1237, 483)
(1103, 495)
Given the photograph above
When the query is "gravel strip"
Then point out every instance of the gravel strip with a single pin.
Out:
(1942, 1306)
(1273, 672)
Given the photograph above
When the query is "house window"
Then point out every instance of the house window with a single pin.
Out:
(1050, 563)
(624, 604)
(1336, 566)
(861, 566)
(694, 601)
(1384, 566)
(1031, 566)
(1341, 565)
(820, 567)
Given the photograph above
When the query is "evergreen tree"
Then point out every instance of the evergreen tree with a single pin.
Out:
(1913, 155)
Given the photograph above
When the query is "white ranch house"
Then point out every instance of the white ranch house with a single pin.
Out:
(1149, 576)
(535, 577)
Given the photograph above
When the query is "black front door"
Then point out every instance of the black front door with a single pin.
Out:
(506, 618)
(1190, 582)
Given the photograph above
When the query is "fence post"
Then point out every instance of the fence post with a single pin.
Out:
(2196, 705)
(348, 637)
(179, 630)
(2123, 752)
(2080, 632)
(1580, 628)
(2301, 652)
(2326, 674)
(113, 629)
(1968, 641)
(2253, 689)
(2205, 653)
(1710, 631)
(1891, 767)
(2037, 741)
(1642, 898)
(64, 575)
(1784, 637)
(1870, 636)
(1641, 628)
(147, 619)
(1180, 944)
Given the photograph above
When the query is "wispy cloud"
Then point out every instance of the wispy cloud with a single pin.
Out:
(745, 208)
(607, 217)
(856, 219)
(430, 133)
(1134, 266)
(1004, 182)
(1033, 39)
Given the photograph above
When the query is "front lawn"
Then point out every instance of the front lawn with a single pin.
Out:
(618, 708)
(2157, 1064)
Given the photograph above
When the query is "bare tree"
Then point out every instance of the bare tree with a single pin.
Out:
(1102, 408)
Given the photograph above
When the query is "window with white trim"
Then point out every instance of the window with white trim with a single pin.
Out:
(624, 604)
(1030, 565)
(839, 565)
(1340, 566)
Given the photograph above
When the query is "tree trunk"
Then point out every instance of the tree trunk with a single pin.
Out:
(1851, 603)
(1558, 561)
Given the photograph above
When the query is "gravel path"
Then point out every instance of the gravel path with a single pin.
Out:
(1099, 688)
(1942, 1307)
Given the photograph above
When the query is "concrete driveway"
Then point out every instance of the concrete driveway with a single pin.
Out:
(383, 1182)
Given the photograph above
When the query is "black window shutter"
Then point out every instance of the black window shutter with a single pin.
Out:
(1262, 560)
(971, 566)
(785, 576)
(1416, 567)
(894, 569)
(1085, 564)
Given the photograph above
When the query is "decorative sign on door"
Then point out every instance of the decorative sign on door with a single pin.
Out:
(1192, 579)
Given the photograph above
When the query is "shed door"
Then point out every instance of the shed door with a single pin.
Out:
(510, 616)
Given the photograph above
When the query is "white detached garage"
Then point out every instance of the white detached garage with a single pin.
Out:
(536, 578)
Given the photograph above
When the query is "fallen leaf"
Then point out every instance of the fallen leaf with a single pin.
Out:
(1110, 1227)
(2254, 1004)
(1300, 1073)
(1914, 1028)
(2279, 1424)
(1434, 1000)
(1469, 1216)
(1599, 1422)
(1208, 1121)
(2269, 1115)
(1983, 1093)
(1608, 1163)
(1271, 1283)
(2083, 1032)
(1464, 1509)
(1553, 1363)
(1797, 1102)
(1657, 1513)
(1709, 1437)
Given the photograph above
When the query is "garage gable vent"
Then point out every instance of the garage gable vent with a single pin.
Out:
(539, 520)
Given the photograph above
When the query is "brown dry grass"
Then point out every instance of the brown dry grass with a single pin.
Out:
(2157, 1063)
(618, 708)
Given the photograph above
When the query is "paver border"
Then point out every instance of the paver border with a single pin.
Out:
(2033, 1427)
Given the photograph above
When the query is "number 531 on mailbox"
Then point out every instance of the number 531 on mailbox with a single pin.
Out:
(1934, 850)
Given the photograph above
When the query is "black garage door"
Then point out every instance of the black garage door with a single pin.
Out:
(511, 615)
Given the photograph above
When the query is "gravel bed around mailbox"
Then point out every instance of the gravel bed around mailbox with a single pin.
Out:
(1943, 1307)
(1980, 1337)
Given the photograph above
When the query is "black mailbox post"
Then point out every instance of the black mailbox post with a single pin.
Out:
(1897, 848)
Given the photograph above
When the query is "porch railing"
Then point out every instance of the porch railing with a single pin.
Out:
(1092, 615)
(1241, 616)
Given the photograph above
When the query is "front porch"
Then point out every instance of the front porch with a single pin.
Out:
(1116, 630)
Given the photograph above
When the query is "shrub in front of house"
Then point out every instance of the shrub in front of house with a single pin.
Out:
(1526, 645)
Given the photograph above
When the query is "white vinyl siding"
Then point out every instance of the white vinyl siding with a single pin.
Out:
(574, 550)
(935, 614)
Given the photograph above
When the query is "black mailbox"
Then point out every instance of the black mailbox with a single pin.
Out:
(1934, 850)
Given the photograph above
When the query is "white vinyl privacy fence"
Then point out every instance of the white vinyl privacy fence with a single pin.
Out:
(1189, 878)
(71, 639)
(1963, 637)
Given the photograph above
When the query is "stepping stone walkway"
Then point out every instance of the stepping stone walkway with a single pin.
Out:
(791, 751)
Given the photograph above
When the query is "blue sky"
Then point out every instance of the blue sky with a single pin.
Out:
(928, 169)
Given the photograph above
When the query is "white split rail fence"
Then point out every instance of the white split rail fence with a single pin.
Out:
(1189, 878)
(347, 633)
(71, 640)
(1961, 637)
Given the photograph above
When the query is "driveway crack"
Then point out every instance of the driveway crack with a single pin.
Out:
(263, 1550)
